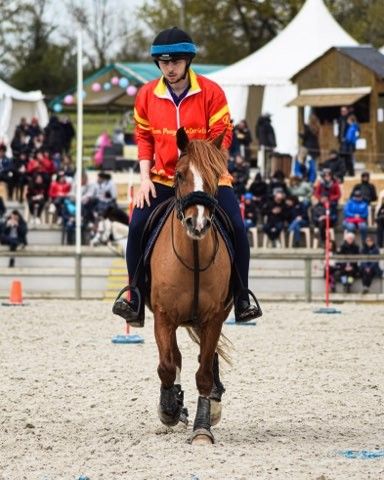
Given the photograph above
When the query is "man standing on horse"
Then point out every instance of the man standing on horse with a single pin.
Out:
(180, 98)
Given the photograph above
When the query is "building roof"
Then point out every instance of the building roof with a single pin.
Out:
(367, 56)
(136, 73)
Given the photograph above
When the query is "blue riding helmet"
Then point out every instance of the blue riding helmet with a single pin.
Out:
(248, 196)
(173, 43)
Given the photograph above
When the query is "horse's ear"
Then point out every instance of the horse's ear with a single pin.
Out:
(182, 139)
(219, 140)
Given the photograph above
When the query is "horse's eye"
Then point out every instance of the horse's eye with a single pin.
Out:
(179, 177)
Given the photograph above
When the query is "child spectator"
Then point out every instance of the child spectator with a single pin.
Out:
(318, 213)
(348, 271)
(14, 233)
(36, 197)
(297, 217)
(275, 211)
(369, 270)
(250, 211)
(58, 191)
(356, 215)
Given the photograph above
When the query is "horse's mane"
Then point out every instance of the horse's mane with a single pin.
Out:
(208, 160)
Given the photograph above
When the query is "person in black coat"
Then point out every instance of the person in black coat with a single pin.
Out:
(310, 136)
(244, 139)
(318, 214)
(369, 270)
(336, 164)
(265, 133)
(54, 136)
(275, 213)
(259, 191)
(368, 190)
(379, 219)
(14, 233)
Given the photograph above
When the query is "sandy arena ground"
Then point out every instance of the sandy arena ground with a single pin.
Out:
(302, 387)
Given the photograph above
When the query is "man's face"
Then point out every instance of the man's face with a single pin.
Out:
(173, 70)
(365, 179)
(344, 111)
(369, 242)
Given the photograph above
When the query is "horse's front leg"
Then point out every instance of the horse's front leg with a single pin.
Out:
(209, 337)
(169, 406)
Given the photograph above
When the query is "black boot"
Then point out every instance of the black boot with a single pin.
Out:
(130, 310)
(244, 310)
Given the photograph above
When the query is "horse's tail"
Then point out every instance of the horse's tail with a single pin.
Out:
(223, 346)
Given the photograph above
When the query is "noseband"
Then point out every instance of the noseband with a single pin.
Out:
(195, 198)
(192, 199)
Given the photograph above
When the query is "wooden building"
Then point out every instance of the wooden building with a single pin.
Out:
(345, 76)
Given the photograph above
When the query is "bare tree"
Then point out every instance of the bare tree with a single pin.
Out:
(10, 25)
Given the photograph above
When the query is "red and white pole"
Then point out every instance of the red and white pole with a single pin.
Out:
(242, 207)
(327, 251)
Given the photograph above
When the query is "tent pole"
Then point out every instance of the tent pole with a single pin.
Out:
(79, 158)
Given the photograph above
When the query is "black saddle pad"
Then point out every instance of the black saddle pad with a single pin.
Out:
(160, 215)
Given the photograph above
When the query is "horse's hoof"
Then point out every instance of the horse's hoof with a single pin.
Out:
(168, 420)
(201, 436)
(215, 412)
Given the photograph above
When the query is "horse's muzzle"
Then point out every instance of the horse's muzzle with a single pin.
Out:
(194, 230)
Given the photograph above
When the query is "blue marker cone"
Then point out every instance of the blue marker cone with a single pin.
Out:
(127, 338)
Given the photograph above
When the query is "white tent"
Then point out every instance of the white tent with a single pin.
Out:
(14, 105)
(260, 82)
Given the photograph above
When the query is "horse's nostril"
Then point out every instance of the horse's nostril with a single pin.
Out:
(189, 221)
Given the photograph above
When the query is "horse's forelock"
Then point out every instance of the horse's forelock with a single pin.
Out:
(208, 160)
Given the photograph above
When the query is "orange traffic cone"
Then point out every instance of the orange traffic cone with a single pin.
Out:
(16, 294)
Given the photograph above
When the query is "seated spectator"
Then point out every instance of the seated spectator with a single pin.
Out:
(250, 211)
(379, 219)
(21, 180)
(67, 167)
(36, 196)
(328, 186)
(356, 215)
(305, 166)
(277, 183)
(7, 174)
(20, 144)
(99, 196)
(58, 191)
(259, 190)
(14, 233)
(297, 217)
(368, 190)
(275, 212)
(36, 144)
(239, 170)
(347, 271)
(336, 164)
(244, 139)
(300, 188)
(318, 214)
(34, 129)
(369, 270)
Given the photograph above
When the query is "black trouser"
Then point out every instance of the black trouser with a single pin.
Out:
(380, 233)
(367, 275)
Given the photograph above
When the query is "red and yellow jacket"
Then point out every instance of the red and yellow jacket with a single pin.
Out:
(203, 112)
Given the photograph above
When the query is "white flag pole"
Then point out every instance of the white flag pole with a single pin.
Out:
(79, 161)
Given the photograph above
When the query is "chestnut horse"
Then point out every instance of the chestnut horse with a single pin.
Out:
(191, 284)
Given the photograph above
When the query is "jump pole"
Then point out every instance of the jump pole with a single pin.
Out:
(327, 309)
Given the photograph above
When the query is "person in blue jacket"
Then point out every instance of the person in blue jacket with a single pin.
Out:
(352, 133)
(356, 215)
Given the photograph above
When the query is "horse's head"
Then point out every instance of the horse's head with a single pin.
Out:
(198, 170)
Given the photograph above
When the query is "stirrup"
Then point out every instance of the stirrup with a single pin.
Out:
(254, 311)
(123, 308)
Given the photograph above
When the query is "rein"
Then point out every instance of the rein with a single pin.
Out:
(182, 203)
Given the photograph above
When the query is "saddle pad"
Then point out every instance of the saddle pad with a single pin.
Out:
(156, 223)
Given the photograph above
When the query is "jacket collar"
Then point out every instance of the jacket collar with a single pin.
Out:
(161, 89)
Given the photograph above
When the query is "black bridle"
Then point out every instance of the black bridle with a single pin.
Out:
(182, 203)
